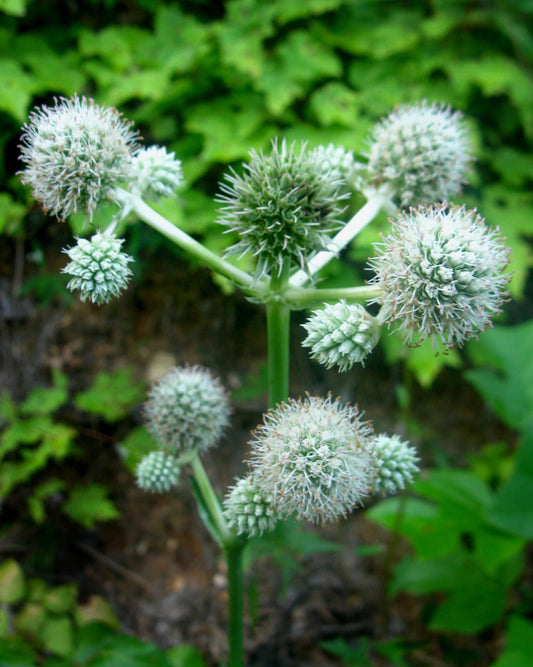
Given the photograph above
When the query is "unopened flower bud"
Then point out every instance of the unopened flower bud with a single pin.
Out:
(248, 510)
(187, 410)
(155, 173)
(396, 463)
(98, 267)
(336, 161)
(341, 334)
(158, 472)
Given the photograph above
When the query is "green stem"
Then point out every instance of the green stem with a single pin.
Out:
(233, 553)
(242, 279)
(210, 499)
(300, 297)
(278, 324)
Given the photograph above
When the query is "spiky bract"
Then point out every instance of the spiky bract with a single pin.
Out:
(341, 334)
(248, 510)
(98, 267)
(440, 274)
(75, 152)
(283, 207)
(187, 410)
(310, 457)
(158, 472)
(155, 173)
(422, 151)
(396, 463)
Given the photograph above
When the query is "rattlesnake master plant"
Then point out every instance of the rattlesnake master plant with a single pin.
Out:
(283, 206)
(158, 472)
(440, 274)
(249, 510)
(75, 153)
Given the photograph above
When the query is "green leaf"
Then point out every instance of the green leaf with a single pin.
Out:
(42, 492)
(45, 400)
(135, 446)
(335, 103)
(12, 584)
(112, 395)
(17, 88)
(13, 7)
(57, 635)
(512, 509)
(90, 504)
(518, 650)
(506, 379)
(61, 599)
(205, 512)
(185, 656)
(11, 214)
(19, 651)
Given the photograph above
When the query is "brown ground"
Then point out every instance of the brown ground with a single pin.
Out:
(156, 565)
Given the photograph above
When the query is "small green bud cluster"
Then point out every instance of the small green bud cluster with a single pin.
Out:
(311, 458)
(75, 153)
(248, 510)
(187, 410)
(396, 462)
(283, 207)
(336, 161)
(422, 151)
(158, 472)
(341, 335)
(98, 267)
(155, 173)
(440, 274)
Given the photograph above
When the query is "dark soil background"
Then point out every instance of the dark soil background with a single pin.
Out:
(156, 565)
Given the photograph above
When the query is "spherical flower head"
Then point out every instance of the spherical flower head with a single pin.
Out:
(310, 457)
(396, 463)
(75, 153)
(248, 510)
(341, 334)
(155, 173)
(158, 472)
(336, 161)
(98, 267)
(422, 151)
(283, 207)
(440, 275)
(187, 410)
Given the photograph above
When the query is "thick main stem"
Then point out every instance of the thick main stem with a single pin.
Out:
(278, 325)
(233, 553)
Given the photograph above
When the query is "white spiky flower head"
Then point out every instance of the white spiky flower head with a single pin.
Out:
(155, 173)
(396, 463)
(310, 456)
(422, 151)
(283, 207)
(341, 334)
(440, 274)
(75, 153)
(337, 161)
(99, 268)
(187, 410)
(248, 510)
(158, 472)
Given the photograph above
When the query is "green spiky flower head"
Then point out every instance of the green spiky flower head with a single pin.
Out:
(187, 410)
(75, 153)
(310, 457)
(158, 472)
(283, 207)
(440, 274)
(248, 510)
(422, 151)
(341, 334)
(98, 268)
(155, 173)
(396, 463)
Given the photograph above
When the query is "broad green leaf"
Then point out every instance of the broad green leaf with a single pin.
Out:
(110, 44)
(185, 656)
(518, 649)
(14, 7)
(135, 446)
(335, 103)
(19, 651)
(11, 214)
(12, 584)
(112, 395)
(57, 635)
(290, 10)
(512, 509)
(90, 504)
(36, 502)
(504, 377)
(17, 88)
(45, 400)
(61, 599)
(96, 610)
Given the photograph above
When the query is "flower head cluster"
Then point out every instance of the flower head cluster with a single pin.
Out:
(187, 410)
(248, 510)
(422, 151)
(341, 334)
(336, 161)
(158, 472)
(155, 173)
(283, 207)
(310, 457)
(440, 274)
(75, 153)
(396, 462)
(98, 267)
